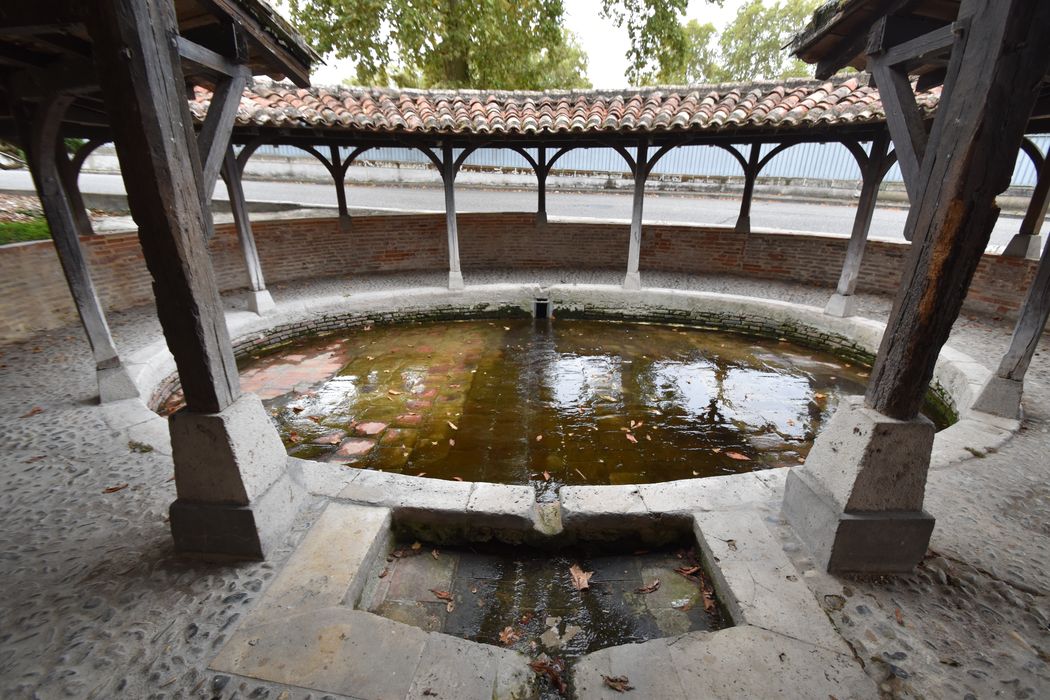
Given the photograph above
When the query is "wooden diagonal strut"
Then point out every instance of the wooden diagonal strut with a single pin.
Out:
(986, 103)
(214, 136)
(138, 67)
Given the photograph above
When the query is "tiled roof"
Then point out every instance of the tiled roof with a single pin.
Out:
(796, 104)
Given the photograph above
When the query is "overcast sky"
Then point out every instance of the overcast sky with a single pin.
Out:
(606, 46)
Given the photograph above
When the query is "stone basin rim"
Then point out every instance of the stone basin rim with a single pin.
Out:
(960, 376)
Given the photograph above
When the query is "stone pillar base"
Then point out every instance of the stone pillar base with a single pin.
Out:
(840, 306)
(261, 302)
(235, 497)
(455, 280)
(886, 542)
(222, 531)
(1024, 245)
(114, 384)
(633, 280)
(1000, 397)
(857, 502)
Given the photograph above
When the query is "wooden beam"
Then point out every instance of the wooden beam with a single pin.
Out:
(212, 60)
(903, 120)
(920, 49)
(138, 65)
(71, 187)
(1002, 60)
(214, 135)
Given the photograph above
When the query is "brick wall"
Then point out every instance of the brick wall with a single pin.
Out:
(34, 296)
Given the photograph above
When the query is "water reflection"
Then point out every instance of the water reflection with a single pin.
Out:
(550, 403)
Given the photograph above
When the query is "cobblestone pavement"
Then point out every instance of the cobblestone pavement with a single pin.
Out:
(95, 605)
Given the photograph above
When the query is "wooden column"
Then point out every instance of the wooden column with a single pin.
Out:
(1001, 62)
(259, 299)
(1028, 242)
(751, 170)
(138, 67)
(44, 152)
(448, 178)
(873, 169)
(1001, 395)
(338, 172)
(542, 170)
(633, 279)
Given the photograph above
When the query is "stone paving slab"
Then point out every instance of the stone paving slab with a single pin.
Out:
(756, 580)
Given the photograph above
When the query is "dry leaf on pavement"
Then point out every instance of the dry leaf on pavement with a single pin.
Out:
(651, 588)
(620, 684)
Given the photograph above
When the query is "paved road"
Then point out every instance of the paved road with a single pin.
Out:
(887, 224)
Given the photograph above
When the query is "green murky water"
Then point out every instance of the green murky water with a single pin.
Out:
(549, 402)
(525, 599)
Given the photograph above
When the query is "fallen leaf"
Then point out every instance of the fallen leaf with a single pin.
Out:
(620, 684)
(538, 438)
(33, 411)
(114, 489)
(417, 545)
(450, 606)
(709, 598)
(632, 438)
(297, 409)
(551, 669)
(508, 636)
(434, 553)
(442, 595)
(651, 588)
(393, 392)
(581, 580)
(606, 397)
(731, 544)
(421, 474)
(451, 442)
(820, 397)
(738, 456)
(294, 437)
(452, 425)
(546, 476)
(687, 570)
(315, 419)
(457, 478)
(384, 572)
(899, 615)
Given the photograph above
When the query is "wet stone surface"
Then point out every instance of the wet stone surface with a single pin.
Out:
(526, 599)
(550, 402)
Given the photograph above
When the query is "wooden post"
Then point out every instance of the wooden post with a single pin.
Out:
(541, 180)
(40, 135)
(1028, 241)
(235, 496)
(743, 222)
(872, 171)
(448, 178)
(338, 174)
(259, 299)
(1001, 395)
(633, 279)
(954, 210)
(214, 135)
(137, 64)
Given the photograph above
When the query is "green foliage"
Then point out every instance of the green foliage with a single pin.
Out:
(665, 51)
(20, 231)
(497, 44)
(752, 46)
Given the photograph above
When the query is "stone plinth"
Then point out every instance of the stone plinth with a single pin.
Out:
(235, 495)
(857, 503)
(840, 306)
(1001, 397)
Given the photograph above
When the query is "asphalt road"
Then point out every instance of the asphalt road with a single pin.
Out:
(887, 224)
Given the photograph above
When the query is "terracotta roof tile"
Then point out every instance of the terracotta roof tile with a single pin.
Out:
(791, 104)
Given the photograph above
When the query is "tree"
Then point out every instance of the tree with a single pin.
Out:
(497, 44)
(663, 50)
(752, 46)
